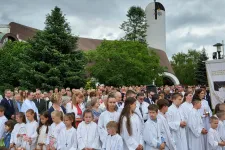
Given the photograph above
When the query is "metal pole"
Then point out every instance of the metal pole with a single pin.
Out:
(223, 49)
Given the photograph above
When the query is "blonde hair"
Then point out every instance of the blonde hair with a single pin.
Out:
(75, 95)
(112, 124)
(57, 113)
(55, 97)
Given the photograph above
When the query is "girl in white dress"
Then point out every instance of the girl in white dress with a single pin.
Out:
(76, 106)
(87, 133)
(30, 137)
(68, 136)
(131, 126)
(42, 131)
(54, 130)
(18, 131)
(109, 115)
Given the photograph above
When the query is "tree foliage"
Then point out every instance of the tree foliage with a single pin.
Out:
(52, 60)
(136, 26)
(10, 63)
(200, 72)
(184, 66)
(120, 63)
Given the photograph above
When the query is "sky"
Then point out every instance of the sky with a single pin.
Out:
(190, 24)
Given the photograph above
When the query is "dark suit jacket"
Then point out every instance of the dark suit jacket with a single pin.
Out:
(9, 108)
(42, 106)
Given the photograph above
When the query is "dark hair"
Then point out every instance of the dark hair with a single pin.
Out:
(217, 108)
(140, 94)
(111, 95)
(88, 111)
(185, 95)
(195, 101)
(10, 124)
(129, 92)
(162, 102)
(197, 92)
(153, 107)
(2, 108)
(155, 97)
(31, 111)
(213, 118)
(176, 95)
(22, 115)
(71, 116)
(44, 114)
(220, 114)
(126, 113)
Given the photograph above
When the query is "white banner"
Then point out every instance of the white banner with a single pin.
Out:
(216, 80)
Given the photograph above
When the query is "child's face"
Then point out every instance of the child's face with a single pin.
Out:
(67, 121)
(18, 119)
(88, 118)
(111, 131)
(177, 101)
(214, 124)
(7, 128)
(29, 116)
(153, 114)
(43, 119)
(1, 113)
(199, 105)
(56, 119)
(165, 108)
(111, 103)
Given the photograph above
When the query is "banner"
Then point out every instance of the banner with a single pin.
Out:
(216, 80)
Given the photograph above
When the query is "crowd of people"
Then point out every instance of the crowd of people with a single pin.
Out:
(109, 118)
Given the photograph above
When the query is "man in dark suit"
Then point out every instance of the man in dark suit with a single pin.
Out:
(40, 103)
(8, 105)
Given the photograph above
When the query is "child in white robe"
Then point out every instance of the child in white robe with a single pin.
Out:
(163, 108)
(87, 132)
(152, 134)
(113, 141)
(221, 126)
(30, 138)
(131, 126)
(54, 129)
(18, 131)
(67, 139)
(214, 140)
(177, 123)
(109, 115)
(3, 119)
(43, 131)
(196, 128)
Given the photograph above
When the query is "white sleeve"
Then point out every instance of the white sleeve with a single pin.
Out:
(13, 134)
(101, 129)
(74, 137)
(148, 138)
(119, 145)
(95, 144)
(81, 144)
(2, 127)
(214, 144)
(59, 140)
(49, 134)
(193, 125)
(129, 140)
(174, 125)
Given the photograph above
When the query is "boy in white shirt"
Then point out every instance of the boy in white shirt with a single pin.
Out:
(221, 126)
(152, 130)
(3, 119)
(214, 140)
(113, 141)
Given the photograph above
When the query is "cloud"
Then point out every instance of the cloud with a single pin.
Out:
(191, 24)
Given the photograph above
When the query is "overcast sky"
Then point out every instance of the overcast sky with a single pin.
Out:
(190, 24)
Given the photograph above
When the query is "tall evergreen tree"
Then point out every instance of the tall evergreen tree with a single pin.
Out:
(136, 26)
(53, 59)
(200, 73)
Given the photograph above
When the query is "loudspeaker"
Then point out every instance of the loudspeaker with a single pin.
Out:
(151, 88)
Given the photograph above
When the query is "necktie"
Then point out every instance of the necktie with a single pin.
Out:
(140, 108)
(9, 102)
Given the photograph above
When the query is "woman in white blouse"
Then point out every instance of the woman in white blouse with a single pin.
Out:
(76, 106)
(109, 115)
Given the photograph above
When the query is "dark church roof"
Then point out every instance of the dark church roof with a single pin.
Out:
(24, 32)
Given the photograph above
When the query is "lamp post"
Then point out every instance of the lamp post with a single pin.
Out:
(219, 50)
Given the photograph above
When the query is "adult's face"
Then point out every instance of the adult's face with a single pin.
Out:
(38, 95)
(140, 99)
(8, 94)
(118, 97)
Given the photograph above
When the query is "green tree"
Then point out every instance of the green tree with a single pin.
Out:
(184, 66)
(120, 63)
(52, 60)
(10, 64)
(136, 26)
(200, 73)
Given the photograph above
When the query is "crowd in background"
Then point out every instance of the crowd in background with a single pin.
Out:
(89, 115)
